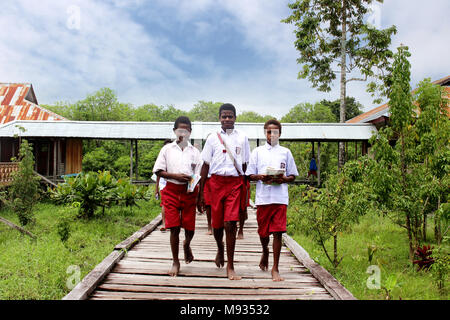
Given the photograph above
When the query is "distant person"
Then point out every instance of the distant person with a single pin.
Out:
(272, 197)
(159, 187)
(177, 162)
(225, 156)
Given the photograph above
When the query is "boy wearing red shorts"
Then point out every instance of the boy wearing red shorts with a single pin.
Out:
(272, 196)
(207, 200)
(177, 162)
(225, 156)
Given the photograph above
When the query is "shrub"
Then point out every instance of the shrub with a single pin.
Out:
(23, 192)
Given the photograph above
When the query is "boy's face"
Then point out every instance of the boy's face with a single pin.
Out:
(227, 119)
(272, 134)
(183, 133)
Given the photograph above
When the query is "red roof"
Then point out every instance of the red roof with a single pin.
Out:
(18, 102)
(384, 109)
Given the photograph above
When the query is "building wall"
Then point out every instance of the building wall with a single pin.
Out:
(74, 155)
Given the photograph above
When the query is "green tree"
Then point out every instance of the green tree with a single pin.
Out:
(24, 189)
(205, 111)
(251, 116)
(412, 155)
(337, 206)
(352, 108)
(333, 34)
(309, 113)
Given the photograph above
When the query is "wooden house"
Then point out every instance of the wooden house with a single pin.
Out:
(52, 156)
(379, 116)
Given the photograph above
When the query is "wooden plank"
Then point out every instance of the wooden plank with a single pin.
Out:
(148, 264)
(189, 271)
(238, 258)
(127, 262)
(88, 284)
(140, 234)
(336, 289)
(179, 281)
(157, 289)
(166, 296)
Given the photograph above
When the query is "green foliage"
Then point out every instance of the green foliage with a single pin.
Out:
(251, 116)
(411, 176)
(128, 194)
(93, 190)
(308, 113)
(352, 108)
(39, 270)
(319, 25)
(334, 208)
(23, 192)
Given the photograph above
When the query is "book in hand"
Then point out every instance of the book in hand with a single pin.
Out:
(274, 172)
(195, 178)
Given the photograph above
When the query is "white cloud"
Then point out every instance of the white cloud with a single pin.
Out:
(111, 48)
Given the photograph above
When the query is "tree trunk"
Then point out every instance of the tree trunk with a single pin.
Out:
(343, 78)
(335, 251)
(437, 224)
(411, 247)
(12, 225)
(424, 223)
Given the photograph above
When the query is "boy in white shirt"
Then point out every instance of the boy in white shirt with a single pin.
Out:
(176, 163)
(272, 196)
(225, 156)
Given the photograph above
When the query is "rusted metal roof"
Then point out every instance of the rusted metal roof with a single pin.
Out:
(18, 102)
(383, 111)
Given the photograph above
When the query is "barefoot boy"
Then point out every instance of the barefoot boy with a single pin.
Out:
(177, 162)
(225, 156)
(272, 195)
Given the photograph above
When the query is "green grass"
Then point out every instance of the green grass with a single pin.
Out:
(391, 257)
(37, 269)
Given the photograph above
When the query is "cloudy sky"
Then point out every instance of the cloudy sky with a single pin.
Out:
(177, 52)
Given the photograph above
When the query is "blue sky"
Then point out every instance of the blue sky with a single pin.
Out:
(177, 52)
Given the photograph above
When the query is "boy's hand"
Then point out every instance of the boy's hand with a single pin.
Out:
(279, 179)
(182, 177)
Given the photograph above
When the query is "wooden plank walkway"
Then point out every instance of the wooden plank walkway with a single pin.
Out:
(141, 271)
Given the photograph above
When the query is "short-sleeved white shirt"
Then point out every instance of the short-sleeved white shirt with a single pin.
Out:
(174, 160)
(219, 161)
(276, 157)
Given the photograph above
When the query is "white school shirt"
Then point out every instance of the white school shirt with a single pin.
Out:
(220, 162)
(162, 181)
(276, 157)
(174, 160)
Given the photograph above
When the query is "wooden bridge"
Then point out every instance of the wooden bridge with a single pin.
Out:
(137, 269)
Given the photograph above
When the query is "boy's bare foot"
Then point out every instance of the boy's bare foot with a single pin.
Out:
(220, 259)
(276, 276)
(232, 275)
(264, 263)
(188, 256)
(175, 269)
(240, 234)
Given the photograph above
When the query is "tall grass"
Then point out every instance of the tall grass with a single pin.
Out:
(390, 244)
(38, 269)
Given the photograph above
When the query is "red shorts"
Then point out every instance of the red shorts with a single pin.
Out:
(161, 196)
(271, 218)
(207, 193)
(226, 201)
(179, 206)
